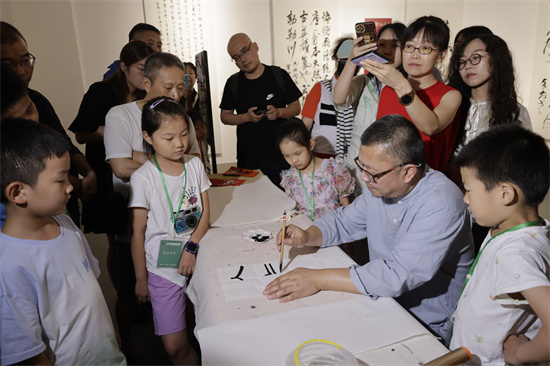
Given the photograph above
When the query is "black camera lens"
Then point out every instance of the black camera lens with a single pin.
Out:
(191, 221)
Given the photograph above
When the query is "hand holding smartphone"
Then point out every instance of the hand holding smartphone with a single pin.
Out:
(260, 110)
(367, 30)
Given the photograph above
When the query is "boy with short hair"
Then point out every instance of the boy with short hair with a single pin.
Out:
(503, 313)
(51, 306)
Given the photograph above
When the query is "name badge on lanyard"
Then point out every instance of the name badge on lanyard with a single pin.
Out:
(175, 227)
(169, 253)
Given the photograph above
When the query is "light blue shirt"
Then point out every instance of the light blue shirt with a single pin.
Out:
(420, 246)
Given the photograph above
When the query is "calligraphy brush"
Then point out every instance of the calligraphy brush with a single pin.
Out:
(282, 243)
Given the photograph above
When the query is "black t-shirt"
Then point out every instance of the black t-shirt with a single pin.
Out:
(47, 116)
(99, 99)
(256, 141)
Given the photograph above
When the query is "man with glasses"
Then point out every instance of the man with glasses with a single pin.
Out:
(256, 100)
(15, 55)
(416, 224)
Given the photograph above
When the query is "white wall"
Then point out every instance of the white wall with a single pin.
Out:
(75, 40)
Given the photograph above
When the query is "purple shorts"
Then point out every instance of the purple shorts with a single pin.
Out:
(168, 301)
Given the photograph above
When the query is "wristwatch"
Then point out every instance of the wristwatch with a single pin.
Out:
(407, 99)
(191, 247)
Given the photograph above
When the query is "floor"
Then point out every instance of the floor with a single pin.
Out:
(147, 347)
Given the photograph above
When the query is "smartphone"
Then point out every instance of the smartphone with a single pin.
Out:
(260, 111)
(185, 80)
(367, 30)
(372, 55)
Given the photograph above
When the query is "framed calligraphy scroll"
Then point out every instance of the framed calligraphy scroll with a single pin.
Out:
(205, 105)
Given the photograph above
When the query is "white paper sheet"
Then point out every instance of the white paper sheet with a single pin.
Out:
(249, 280)
(357, 324)
(250, 203)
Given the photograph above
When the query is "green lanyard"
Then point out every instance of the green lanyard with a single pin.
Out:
(540, 221)
(168, 195)
(311, 206)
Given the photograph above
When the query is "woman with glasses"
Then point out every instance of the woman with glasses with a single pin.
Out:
(362, 92)
(430, 104)
(482, 69)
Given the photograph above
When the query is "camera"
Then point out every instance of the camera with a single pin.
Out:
(188, 219)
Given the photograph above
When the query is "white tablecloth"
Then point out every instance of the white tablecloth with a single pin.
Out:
(254, 330)
(259, 201)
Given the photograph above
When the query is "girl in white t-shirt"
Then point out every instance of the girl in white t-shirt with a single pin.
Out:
(170, 215)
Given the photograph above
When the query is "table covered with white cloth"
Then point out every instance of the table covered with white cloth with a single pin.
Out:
(236, 324)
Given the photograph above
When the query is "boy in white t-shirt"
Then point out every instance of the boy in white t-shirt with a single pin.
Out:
(503, 313)
(52, 310)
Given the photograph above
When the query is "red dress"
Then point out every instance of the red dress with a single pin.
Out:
(438, 147)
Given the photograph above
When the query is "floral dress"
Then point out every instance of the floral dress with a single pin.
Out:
(332, 181)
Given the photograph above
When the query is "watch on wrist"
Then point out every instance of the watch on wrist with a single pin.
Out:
(407, 99)
(191, 247)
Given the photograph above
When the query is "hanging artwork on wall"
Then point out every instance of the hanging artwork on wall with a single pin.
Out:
(205, 105)
(307, 42)
(181, 26)
(539, 108)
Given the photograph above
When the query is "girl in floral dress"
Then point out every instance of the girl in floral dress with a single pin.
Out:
(317, 185)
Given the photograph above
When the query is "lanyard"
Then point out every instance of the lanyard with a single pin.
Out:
(521, 226)
(168, 195)
(377, 84)
(311, 206)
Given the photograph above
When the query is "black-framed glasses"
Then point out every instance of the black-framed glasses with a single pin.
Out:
(371, 178)
(424, 50)
(474, 59)
(239, 56)
(24, 63)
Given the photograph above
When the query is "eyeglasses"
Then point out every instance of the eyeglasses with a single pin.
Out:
(424, 50)
(25, 63)
(371, 178)
(474, 59)
(239, 56)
